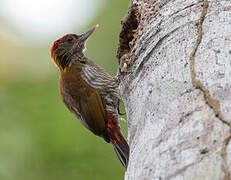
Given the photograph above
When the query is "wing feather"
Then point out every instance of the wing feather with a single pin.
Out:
(92, 110)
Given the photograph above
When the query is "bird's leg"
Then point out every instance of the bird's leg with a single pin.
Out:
(119, 112)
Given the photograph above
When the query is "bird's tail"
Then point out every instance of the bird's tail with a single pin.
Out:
(117, 140)
(121, 148)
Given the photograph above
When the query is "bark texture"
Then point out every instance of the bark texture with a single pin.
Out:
(175, 72)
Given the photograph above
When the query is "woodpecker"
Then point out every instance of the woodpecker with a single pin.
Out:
(89, 92)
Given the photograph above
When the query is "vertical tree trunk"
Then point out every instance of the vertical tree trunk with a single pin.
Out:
(175, 72)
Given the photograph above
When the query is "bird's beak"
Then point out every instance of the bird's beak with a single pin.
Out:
(83, 37)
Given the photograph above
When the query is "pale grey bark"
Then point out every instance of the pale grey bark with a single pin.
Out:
(176, 86)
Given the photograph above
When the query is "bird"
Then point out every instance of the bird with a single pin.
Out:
(89, 92)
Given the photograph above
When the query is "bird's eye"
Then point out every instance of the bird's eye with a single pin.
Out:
(69, 38)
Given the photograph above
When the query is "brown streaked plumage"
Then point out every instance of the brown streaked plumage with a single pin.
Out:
(89, 92)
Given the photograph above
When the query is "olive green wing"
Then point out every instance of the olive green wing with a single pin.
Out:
(92, 111)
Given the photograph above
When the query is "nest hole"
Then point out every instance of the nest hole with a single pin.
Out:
(128, 32)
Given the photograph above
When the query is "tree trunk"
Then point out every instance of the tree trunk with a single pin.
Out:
(175, 73)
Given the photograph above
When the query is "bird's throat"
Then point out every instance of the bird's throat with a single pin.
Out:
(62, 63)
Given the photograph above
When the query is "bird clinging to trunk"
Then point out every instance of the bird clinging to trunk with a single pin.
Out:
(89, 92)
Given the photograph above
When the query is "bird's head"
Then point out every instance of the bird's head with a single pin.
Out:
(70, 48)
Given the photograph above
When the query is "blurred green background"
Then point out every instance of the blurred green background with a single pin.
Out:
(39, 138)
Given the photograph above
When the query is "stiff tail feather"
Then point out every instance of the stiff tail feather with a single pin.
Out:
(121, 148)
(117, 140)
